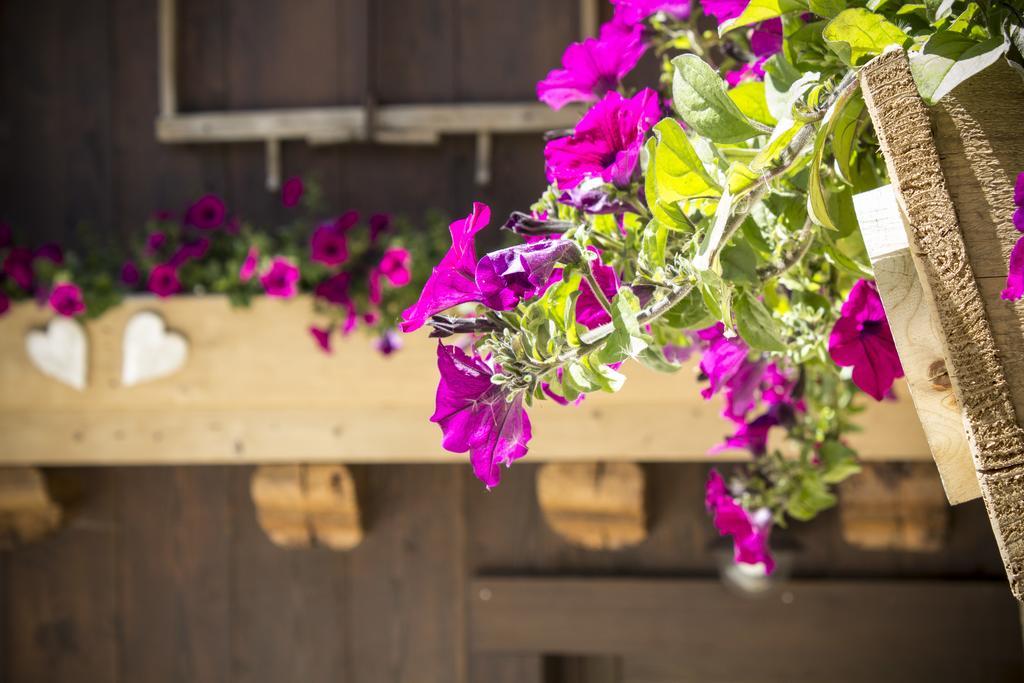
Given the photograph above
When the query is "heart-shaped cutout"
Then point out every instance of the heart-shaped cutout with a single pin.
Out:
(150, 351)
(60, 351)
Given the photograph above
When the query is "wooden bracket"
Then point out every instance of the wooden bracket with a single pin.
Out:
(301, 506)
(894, 506)
(27, 511)
(599, 506)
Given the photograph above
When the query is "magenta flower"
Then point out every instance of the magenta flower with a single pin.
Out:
(452, 281)
(322, 336)
(334, 289)
(723, 10)
(249, 264)
(155, 242)
(346, 221)
(5, 302)
(723, 359)
(163, 280)
(18, 267)
(282, 278)
(606, 142)
(388, 343)
(291, 191)
(749, 533)
(748, 72)
(50, 252)
(862, 338)
(207, 213)
(329, 245)
(589, 311)
(766, 38)
(750, 436)
(130, 274)
(507, 276)
(1015, 276)
(66, 299)
(634, 11)
(379, 224)
(195, 249)
(593, 67)
(394, 266)
(477, 416)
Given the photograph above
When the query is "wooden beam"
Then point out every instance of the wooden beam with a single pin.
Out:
(256, 389)
(27, 511)
(895, 506)
(921, 630)
(918, 335)
(167, 74)
(301, 506)
(598, 506)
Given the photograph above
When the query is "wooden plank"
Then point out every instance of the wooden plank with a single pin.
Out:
(918, 336)
(301, 506)
(28, 512)
(834, 630)
(984, 384)
(173, 574)
(61, 595)
(503, 668)
(281, 400)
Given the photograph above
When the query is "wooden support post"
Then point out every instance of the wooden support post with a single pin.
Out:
(168, 65)
(599, 506)
(894, 506)
(27, 512)
(301, 506)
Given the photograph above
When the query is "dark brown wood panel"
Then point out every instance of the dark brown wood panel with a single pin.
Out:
(811, 630)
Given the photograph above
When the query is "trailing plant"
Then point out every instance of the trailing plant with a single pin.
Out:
(361, 273)
(711, 215)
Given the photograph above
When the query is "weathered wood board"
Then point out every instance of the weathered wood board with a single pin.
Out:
(953, 168)
(256, 389)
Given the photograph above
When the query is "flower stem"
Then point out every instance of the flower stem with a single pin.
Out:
(595, 287)
(794, 255)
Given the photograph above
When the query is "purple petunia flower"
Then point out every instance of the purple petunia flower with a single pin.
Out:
(189, 251)
(207, 213)
(606, 142)
(66, 299)
(130, 274)
(334, 289)
(724, 357)
(507, 276)
(749, 532)
(50, 252)
(322, 337)
(750, 436)
(862, 338)
(394, 266)
(291, 191)
(766, 38)
(477, 416)
(634, 11)
(379, 224)
(163, 280)
(589, 311)
(249, 264)
(452, 281)
(329, 245)
(593, 67)
(388, 342)
(155, 242)
(723, 10)
(282, 278)
(18, 267)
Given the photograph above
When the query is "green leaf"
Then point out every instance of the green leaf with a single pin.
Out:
(713, 291)
(626, 339)
(700, 98)
(845, 137)
(654, 358)
(779, 141)
(739, 264)
(761, 10)
(756, 325)
(679, 173)
(652, 246)
(749, 96)
(827, 8)
(709, 246)
(838, 462)
(857, 35)
(948, 59)
(691, 313)
(811, 497)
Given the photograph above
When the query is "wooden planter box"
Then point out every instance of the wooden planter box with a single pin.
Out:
(941, 268)
(256, 389)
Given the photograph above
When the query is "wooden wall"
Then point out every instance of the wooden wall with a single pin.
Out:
(78, 96)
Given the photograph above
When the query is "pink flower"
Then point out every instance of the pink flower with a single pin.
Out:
(249, 265)
(322, 336)
(334, 289)
(50, 252)
(507, 276)
(589, 311)
(724, 9)
(207, 213)
(606, 142)
(346, 221)
(130, 274)
(155, 242)
(291, 191)
(749, 533)
(766, 38)
(18, 267)
(394, 266)
(66, 299)
(5, 302)
(593, 67)
(635, 11)
(861, 338)
(163, 280)
(195, 249)
(724, 357)
(750, 436)
(452, 281)
(388, 343)
(329, 245)
(379, 224)
(282, 279)
(477, 416)
(748, 72)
